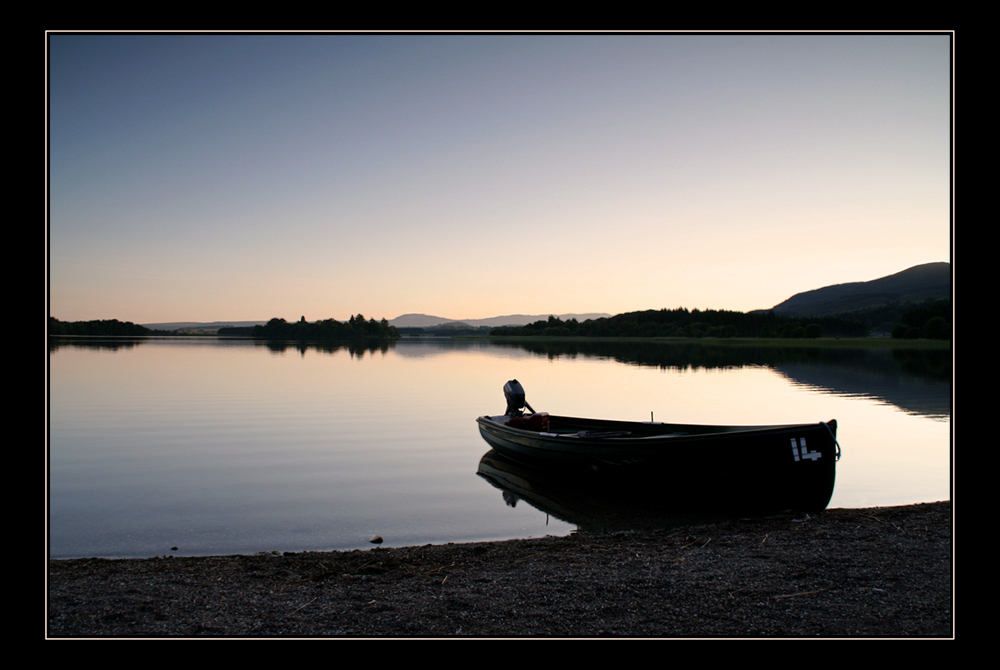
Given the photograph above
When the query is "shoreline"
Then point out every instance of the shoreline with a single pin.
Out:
(873, 572)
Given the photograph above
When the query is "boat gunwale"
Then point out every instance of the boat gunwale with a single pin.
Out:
(697, 431)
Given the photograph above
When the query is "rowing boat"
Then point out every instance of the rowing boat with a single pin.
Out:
(788, 465)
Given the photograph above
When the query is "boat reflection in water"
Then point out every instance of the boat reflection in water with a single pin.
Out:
(600, 504)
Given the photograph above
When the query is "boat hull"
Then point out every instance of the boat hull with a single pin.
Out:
(788, 466)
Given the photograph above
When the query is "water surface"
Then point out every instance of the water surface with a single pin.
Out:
(230, 446)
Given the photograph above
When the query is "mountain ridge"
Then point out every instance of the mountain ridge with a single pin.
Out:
(928, 281)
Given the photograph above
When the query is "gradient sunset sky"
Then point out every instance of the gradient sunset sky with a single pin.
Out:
(218, 177)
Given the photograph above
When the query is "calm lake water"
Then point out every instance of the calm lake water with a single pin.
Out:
(230, 446)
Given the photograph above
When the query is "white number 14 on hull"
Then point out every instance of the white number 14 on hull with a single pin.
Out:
(799, 450)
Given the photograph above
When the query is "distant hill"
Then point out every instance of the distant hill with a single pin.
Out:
(428, 321)
(931, 281)
(202, 325)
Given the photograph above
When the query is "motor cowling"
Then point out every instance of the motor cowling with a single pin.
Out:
(514, 393)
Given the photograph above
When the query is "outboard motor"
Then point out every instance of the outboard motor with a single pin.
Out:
(514, 393)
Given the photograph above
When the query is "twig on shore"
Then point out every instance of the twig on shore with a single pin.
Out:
(303, 605)
(796, 595)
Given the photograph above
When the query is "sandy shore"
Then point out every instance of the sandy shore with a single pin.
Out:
(880, 572)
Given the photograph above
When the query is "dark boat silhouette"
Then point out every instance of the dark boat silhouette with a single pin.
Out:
(782, 466)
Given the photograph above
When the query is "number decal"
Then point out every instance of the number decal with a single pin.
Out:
(800, 452)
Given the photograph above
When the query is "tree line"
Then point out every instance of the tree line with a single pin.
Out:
(930, 320)
(682, 322)
(355, 328)
(97, 327)
(696, 323)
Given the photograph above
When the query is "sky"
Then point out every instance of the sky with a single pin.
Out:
(213, 177)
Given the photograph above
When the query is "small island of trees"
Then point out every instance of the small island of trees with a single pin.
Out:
(355, 328)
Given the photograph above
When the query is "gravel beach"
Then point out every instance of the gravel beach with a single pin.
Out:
(879, 572)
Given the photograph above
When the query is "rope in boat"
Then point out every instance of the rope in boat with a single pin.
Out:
(829, 430)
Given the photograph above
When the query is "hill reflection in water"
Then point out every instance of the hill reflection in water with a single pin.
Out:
(916, 381)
